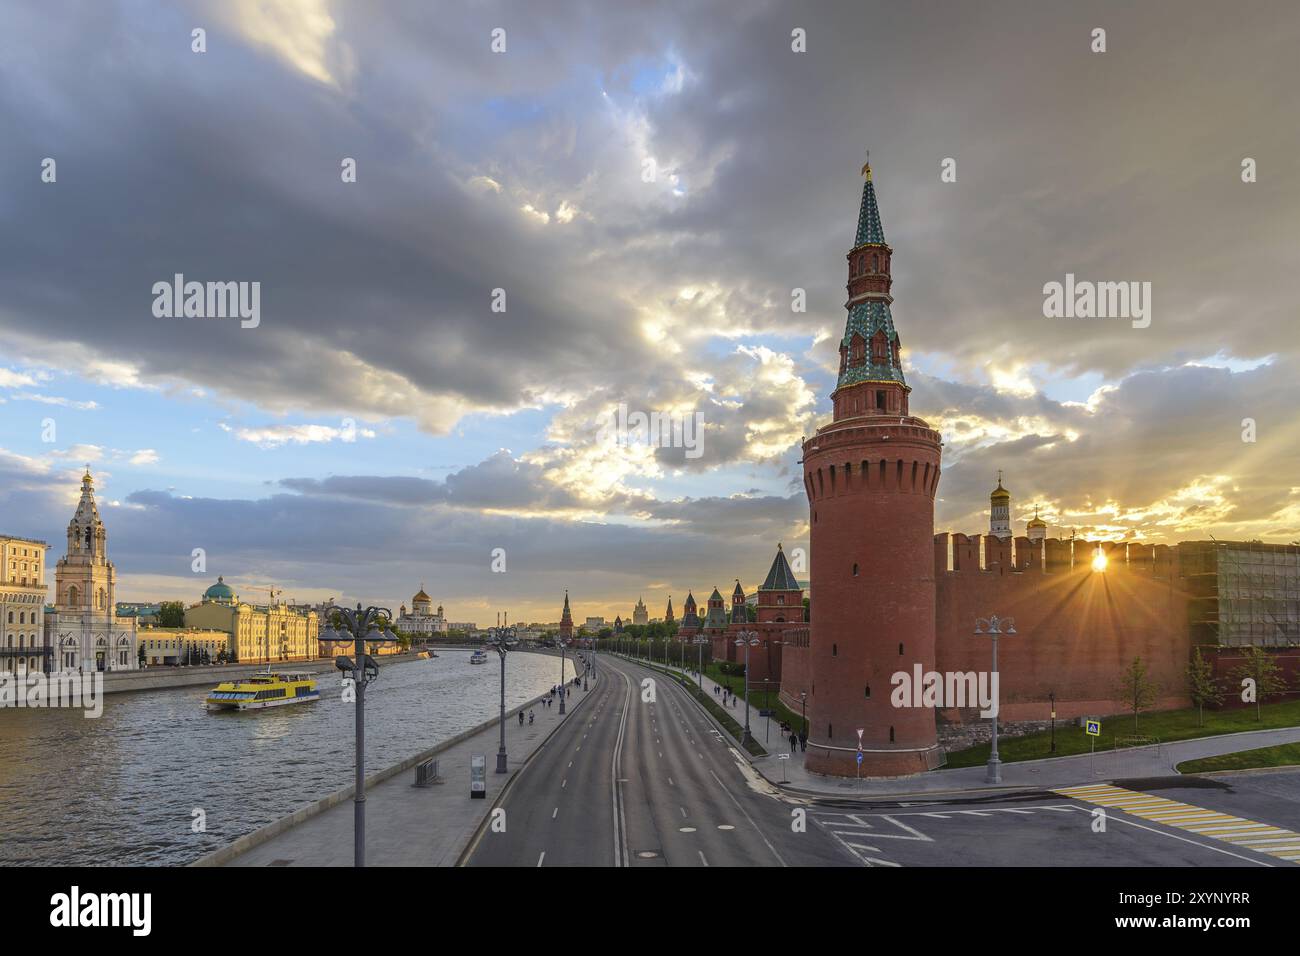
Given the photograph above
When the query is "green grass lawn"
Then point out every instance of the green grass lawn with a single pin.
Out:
(779, 711)
(1167, 725)
(1283, 755)
(721, 716)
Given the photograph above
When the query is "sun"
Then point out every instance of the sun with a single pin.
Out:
(1099, 560)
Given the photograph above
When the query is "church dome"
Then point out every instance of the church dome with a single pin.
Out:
(219, 592)
(1037, 522)
(421, 597)
(1000, 493)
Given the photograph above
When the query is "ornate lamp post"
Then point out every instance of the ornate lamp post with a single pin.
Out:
(363, 627)
(699, 642)
(994, 626)
(746, 639)
(502, 639)
(561, 642)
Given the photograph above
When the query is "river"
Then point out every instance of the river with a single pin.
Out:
(122, 789)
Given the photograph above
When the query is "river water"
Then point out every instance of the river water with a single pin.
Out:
(122, 789)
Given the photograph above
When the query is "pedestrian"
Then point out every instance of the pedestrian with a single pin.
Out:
(521, 718)
(530, 716)
(794, 742)
(803, 740)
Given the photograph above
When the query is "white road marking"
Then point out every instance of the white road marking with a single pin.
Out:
(702, 859)
(541, 858)
(554, 812)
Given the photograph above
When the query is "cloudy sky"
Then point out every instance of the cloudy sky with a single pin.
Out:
(647, 187)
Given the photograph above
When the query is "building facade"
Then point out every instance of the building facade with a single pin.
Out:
(82, 629)
(422, 620)
(23, 647)
(639, 613)
(258, 634)
(182, 645)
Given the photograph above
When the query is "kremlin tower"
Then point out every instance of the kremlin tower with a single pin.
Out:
(566, 621)
(871, 477)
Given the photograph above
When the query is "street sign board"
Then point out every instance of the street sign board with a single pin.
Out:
(478, 776)
(1092, 728)
(859, 758)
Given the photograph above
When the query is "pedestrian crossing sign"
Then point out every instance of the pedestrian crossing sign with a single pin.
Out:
(1093, 728)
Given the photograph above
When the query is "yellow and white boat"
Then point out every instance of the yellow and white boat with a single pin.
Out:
(263, 690)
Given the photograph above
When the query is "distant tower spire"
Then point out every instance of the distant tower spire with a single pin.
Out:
(1000, 511)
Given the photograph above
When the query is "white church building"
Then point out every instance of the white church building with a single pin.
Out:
(83, 630)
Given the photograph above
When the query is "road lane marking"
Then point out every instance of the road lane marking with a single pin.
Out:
(541, 858)
(702, 859)
(1211, 824)
(554, 812)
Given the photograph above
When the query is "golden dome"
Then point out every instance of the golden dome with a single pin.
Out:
(421, 597)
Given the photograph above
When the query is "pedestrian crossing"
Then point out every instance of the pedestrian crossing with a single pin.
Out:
(1238, 831)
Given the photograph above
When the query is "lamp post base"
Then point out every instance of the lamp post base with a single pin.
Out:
(501, 762)
(994, 771)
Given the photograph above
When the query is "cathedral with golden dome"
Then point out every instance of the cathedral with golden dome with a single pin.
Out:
(421, 619)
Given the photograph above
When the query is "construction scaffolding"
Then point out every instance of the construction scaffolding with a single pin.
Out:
(1242, 593)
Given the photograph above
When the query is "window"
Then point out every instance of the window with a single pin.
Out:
(829, 734)
(891, 735)
(875, 262)
(880, 399)
(900, 649)
(780, 599)
(855, 569)
(835, 650)
(866, 692)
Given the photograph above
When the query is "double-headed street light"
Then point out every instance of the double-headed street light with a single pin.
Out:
(501, 640)
(746, 639)
(363, 627)
(994, 626)
(561, 642)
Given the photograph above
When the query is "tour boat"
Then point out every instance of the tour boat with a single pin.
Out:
(263, 690)
(478, 657)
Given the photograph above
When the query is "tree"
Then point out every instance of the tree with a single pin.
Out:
(1201, 685)
(171, 614)
(1137, 689)
(1259, 677)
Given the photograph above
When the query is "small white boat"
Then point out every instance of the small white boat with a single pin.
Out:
(478, 657)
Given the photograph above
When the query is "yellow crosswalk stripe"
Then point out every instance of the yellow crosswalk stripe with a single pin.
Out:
(1212, 824)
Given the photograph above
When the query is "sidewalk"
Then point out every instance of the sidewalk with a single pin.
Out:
(406, 825)
(1045, 774)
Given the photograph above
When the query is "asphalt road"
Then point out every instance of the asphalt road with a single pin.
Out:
(630, 781)
(639, 776)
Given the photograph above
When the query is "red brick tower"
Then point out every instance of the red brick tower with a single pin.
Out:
(871, 477)
(566, 621)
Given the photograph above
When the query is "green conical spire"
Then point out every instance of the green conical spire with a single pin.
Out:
(870, 232)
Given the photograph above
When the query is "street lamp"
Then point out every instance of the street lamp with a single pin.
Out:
(699, 642)
(803, 701)
(1051, 695)
(562, 642)
(502, 639)
(746, 639)
(363, 627)
(994, 626)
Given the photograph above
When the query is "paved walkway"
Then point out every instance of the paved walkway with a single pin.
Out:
(410, 826)
(1048, 773)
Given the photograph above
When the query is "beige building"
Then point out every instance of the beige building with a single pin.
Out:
(176, 645)
(22, 604)
(258, 634)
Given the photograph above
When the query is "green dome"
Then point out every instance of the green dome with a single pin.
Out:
(219, 592)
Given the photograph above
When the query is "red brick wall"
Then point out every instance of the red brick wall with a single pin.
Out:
(1077, 629)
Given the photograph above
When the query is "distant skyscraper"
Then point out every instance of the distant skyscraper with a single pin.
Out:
(639, 613)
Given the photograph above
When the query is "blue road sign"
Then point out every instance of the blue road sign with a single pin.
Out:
(859, 757)
(1093, 728)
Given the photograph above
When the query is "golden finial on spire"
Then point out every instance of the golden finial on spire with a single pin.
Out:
(866, 167)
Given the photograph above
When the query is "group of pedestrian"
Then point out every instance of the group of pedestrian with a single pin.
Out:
(800, 739)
